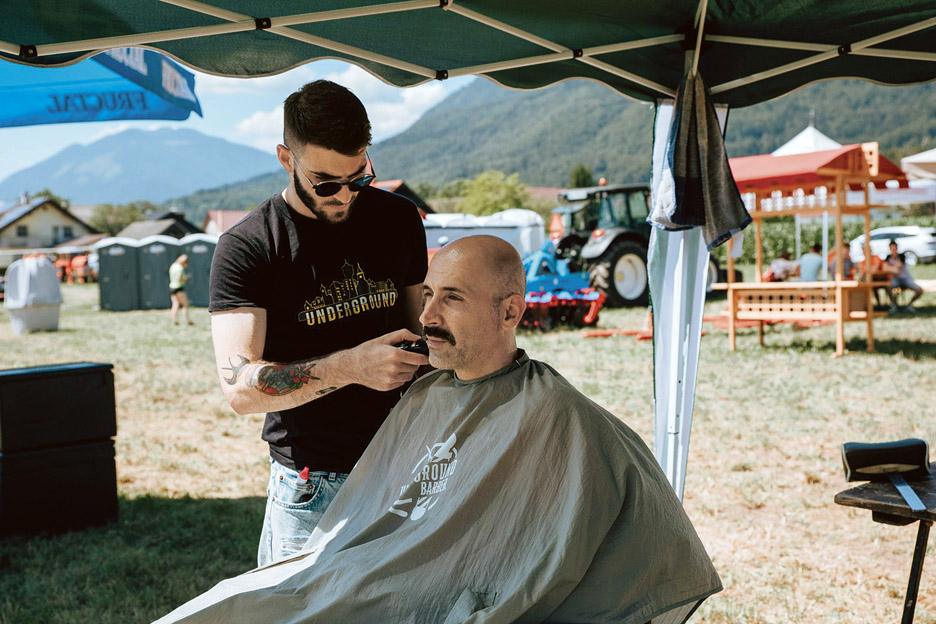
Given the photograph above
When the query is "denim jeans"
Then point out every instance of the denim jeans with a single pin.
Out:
(294, 506)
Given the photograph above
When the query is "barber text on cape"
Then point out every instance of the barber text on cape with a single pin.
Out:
(430, 479)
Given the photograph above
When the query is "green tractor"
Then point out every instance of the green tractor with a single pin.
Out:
(603, 230)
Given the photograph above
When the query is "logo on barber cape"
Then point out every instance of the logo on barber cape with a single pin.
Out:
(430, 478)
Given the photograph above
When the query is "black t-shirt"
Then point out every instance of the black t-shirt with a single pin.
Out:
(324, 288)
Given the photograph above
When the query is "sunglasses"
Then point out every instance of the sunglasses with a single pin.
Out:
(331, 187)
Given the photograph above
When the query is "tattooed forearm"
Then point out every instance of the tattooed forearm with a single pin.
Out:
(235, 369)
(326, 390)
(280, 379)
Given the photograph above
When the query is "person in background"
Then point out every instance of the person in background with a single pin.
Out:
(810, 264)
(178, 276)
(783, 268)
(847, 265)
(896, 265)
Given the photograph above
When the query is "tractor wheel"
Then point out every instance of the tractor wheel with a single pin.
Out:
(621, 273)
(711, 276)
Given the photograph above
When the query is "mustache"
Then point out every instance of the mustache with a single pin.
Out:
(438, 332)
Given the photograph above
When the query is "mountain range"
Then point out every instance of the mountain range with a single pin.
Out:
(543, 134)
(140, 165)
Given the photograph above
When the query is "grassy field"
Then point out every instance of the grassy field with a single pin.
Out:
(764, 464)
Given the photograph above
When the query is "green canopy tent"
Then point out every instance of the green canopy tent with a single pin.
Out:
(749, 51)
(752, 50)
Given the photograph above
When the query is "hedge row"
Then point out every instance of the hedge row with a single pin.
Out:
(779, 234)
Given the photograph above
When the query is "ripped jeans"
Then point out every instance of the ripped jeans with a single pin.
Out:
(294, 506)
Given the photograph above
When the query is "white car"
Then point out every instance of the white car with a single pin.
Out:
(918, 244)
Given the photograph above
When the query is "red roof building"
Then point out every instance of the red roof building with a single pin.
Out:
(855, 164)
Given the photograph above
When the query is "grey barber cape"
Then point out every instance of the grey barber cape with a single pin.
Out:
(510, 498)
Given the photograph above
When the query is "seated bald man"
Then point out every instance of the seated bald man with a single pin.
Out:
(493, 492)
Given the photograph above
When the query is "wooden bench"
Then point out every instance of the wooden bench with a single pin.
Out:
(837, 302)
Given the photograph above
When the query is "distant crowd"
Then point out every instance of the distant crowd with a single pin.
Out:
(808, 268)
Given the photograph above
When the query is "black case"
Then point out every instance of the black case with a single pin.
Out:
(58, 489)
(57, 469)
(45, 406)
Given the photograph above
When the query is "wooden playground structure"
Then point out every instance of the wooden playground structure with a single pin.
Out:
(808, 184)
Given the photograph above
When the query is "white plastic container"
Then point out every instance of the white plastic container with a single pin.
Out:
(33, 295)
(524, 229)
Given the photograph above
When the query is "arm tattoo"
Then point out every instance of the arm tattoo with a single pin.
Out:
(280, 379)
(235, 369)
(326, 390)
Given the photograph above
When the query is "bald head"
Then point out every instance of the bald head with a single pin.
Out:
(473, 301)
(494, 261)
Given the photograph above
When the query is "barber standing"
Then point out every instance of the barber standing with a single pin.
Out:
(309, 294)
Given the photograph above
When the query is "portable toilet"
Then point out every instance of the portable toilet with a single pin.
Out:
(33, 295)
(117, 273)
(155, 255)
(200, 250)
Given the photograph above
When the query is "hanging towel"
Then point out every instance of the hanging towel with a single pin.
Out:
(696, 188)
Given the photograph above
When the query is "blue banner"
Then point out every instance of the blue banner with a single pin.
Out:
(120, 84)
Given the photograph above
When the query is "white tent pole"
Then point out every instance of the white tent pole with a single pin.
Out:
(909, 55)
(122, 41)
(697, 251)
(824, 56)
(700, 27)
(632, 45)
(770, 43)
(514, 64)
(898, 54)
(676, 265)
(660, 284)
(797, 246)
(626, 75)
(825, 245)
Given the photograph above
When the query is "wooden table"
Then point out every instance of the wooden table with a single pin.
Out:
(888, 506)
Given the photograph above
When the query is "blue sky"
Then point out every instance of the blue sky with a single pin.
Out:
(247, 111)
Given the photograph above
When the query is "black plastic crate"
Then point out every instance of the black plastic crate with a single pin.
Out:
(58, 489)
(46, 406)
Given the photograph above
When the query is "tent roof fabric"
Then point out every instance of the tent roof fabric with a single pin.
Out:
(920, 166)
(809, 169)
(751, 50)
(809, 140)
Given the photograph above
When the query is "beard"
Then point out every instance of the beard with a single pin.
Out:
(318, 205)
